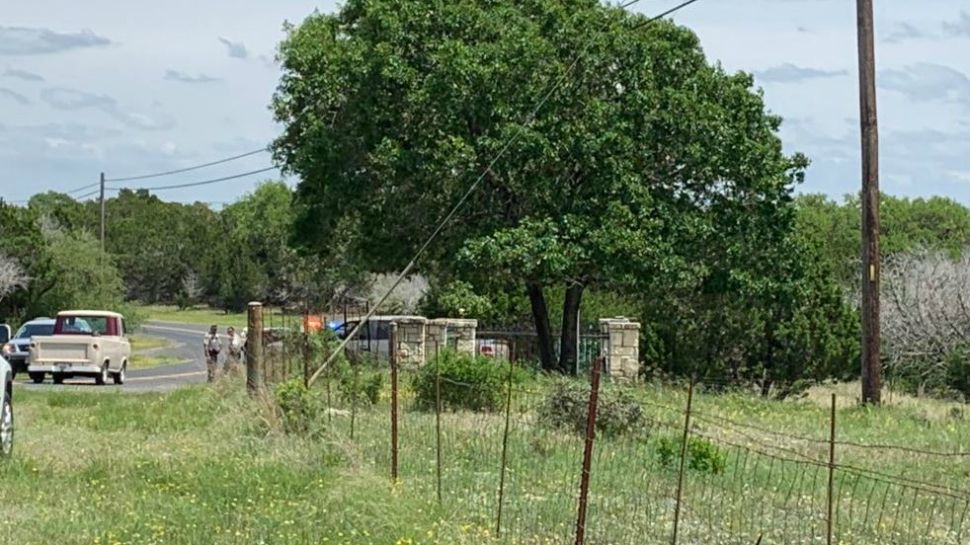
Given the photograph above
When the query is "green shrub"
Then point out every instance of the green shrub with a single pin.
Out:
(467, 382)
(299, 408)
(702, 455)
(360, 384)
(566, 406)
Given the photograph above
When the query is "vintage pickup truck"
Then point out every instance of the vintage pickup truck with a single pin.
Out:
(84, 343)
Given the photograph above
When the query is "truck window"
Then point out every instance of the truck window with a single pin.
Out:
(77, 325)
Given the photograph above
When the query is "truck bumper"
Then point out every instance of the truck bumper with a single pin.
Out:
(65, 368)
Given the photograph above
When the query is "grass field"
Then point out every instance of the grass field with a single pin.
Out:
(148, 351)
(208, 316)
(198, 315)
(142, 343)
(195, 466)
(205, 466)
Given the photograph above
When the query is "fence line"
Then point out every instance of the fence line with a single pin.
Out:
(709, 479)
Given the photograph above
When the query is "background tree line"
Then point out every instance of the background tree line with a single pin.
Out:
(780, 322)
(155, 252)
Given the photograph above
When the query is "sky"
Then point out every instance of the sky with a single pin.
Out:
(129, 88)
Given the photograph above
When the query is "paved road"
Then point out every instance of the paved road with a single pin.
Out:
(187, 346)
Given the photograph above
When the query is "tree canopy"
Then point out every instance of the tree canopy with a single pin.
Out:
(392, 109)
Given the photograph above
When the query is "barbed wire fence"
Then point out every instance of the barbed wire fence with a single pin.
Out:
(685, 475)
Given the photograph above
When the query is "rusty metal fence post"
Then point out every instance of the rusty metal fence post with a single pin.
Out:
(254, 348)
(505, 450)
(829, 520)
(437, 418)
(307, 354)
(683, 462)
(394, 431)
(588, 451)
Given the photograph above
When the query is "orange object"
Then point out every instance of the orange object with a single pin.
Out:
(312, 323)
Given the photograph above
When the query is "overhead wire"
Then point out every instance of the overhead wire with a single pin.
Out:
(187, 169)
(207, 182)
(471, 189)
(83, 187)
(86, 195)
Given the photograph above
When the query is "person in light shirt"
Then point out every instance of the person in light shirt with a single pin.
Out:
(212, 346)
(233, 350)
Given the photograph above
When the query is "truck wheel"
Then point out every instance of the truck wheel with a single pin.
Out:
(6, 428)
(58, 379)
(36, 378)
(119, 377)
(102, 378)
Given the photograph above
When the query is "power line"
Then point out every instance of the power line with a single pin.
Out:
(187, 169)
(83, 187)
(93, 193)
(676, 8)
(471, 189)
(207, 182)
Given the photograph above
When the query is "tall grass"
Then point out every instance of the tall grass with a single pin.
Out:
(195, 466)
(209, 465)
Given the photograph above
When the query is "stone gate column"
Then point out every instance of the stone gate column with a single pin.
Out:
(622, 348)
(411, 331)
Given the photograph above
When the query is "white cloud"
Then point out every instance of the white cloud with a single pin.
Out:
(14, 96)
(960, 27)
(36, 41)
(236, 50)
(22, 74)
(790, 73)
(904, 32)
(182, 77)
(927, 81)
(72, 99)
(961, 175)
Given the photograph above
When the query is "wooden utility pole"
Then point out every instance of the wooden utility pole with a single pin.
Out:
(871, 369)
(254, 348)
(102, 215)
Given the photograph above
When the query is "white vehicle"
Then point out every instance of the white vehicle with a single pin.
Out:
(84, 343)
(6, 409)
(17, 350)
(374, 338)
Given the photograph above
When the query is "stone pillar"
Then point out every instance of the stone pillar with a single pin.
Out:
(437, 332)
(622, 348)
(463, 332)
(411, 332)
(451, 334)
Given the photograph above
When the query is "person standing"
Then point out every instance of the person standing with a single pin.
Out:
(212, 345)
(233, 350)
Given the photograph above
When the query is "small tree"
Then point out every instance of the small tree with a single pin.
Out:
(926, 314)
(12, 276)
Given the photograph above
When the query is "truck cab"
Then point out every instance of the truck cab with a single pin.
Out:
(84, 343)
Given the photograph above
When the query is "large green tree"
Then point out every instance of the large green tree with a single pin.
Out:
(393, 108)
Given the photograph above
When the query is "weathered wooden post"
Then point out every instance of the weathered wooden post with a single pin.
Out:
(254, 348)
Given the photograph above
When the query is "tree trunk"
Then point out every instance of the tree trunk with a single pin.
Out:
(540, 316)
(568, 348)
